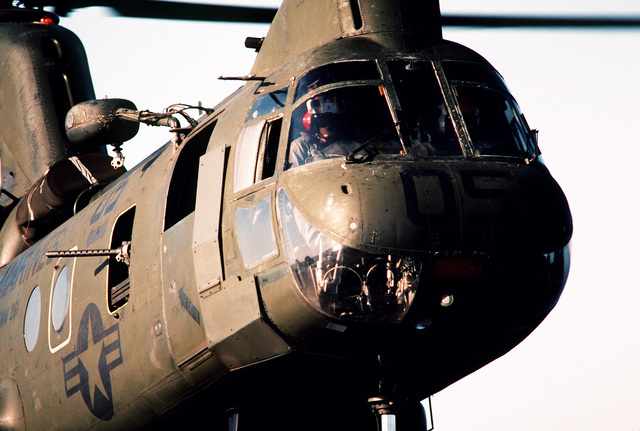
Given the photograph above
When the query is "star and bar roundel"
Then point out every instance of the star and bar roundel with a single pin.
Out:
(88, 369)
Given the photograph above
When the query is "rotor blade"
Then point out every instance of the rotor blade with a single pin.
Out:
(209, 12)
(487, 21)
(174, 10)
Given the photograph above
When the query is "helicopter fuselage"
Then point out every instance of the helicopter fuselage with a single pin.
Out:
(400, 272)
(356, 229)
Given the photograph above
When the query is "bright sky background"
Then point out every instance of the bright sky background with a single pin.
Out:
(580, 370)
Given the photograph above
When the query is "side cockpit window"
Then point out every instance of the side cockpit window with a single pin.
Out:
(247, 155)
(256, 153)
(257, 146)
(268, 104)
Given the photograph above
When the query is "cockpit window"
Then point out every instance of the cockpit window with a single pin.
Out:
(473, 73)
(423, 109)
(341, 121)
(257, 152)
(494, 123)
(337, 72)
(268, 103)
(492, 117)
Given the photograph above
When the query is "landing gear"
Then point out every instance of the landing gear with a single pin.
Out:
(400, 416)
(384, 415)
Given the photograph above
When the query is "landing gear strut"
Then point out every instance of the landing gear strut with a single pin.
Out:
(402, 416)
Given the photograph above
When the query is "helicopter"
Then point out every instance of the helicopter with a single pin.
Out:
(323, 249)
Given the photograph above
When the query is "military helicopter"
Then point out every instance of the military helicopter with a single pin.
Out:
(364, 222)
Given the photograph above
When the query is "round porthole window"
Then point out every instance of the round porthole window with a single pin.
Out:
(32, 319)
(60, 300)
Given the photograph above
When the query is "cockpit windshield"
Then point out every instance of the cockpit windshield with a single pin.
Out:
(340, 121)
(492, 117)
(494, 123)
(423, 108)
(442, 109)
(336, 72)
(482, 103)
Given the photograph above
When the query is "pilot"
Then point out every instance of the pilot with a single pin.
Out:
(434, 134)
(440, 139)
(325, 133)
(484, 143)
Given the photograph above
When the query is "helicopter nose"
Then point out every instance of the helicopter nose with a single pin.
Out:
(510, 208)
(437, 206)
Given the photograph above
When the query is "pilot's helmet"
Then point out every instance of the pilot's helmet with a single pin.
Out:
(322, 111)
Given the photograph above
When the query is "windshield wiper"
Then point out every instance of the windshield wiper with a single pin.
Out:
(351, 158)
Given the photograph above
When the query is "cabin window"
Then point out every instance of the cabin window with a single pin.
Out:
(339, 122)
(119, 284)
(256, 152)
(268, 104)
(60, 299)
(255, 232)
(60, 304)
(336, 72)
(181, 199)
(32, 319)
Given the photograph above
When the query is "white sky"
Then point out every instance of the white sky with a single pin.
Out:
(580, 370)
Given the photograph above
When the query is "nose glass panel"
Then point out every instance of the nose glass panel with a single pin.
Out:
(343, 282)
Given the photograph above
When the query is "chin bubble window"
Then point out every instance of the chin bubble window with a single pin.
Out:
(343, 282)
